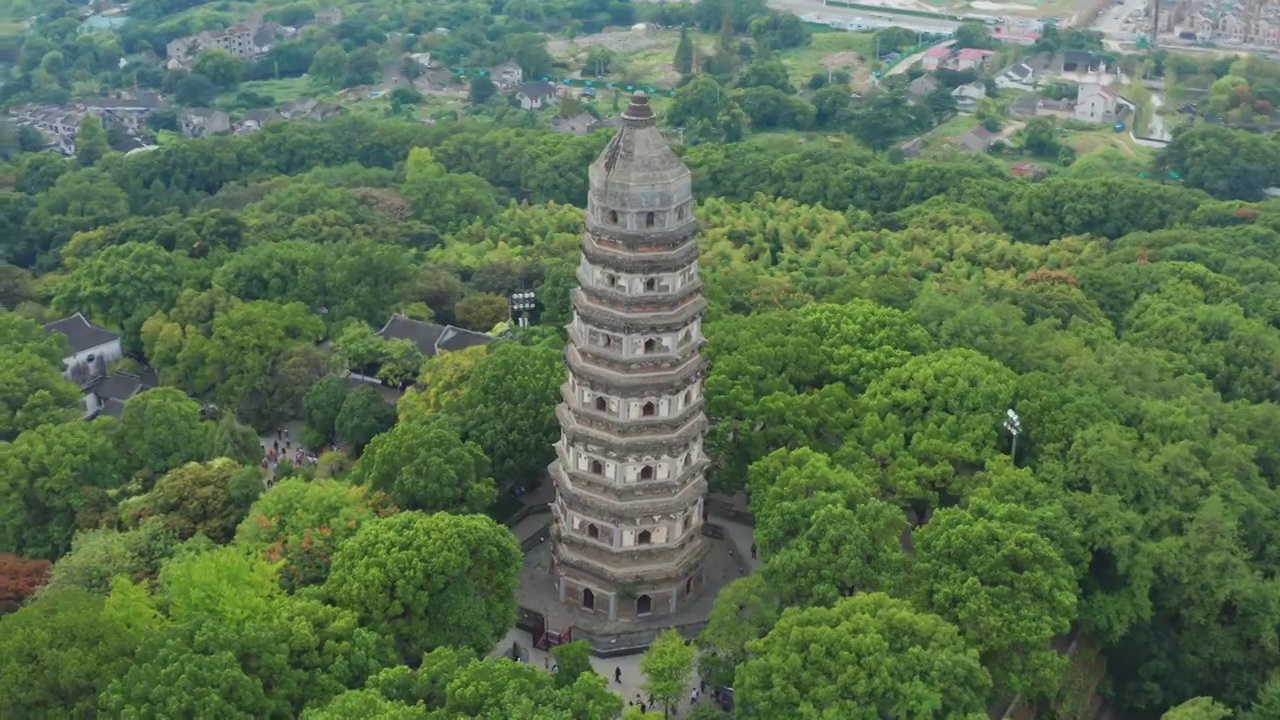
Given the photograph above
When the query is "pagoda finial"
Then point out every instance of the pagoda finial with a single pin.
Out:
(638, 113)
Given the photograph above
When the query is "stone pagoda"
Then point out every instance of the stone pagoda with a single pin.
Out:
(628, 541)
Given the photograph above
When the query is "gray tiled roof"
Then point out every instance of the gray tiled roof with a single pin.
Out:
(458, 339)
(422, 334)
(81, 333)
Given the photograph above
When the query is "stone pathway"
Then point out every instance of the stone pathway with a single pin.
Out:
(632, 680)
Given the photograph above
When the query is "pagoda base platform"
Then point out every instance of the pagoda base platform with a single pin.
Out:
(539, 599)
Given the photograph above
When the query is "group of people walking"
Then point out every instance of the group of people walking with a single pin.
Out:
(277, 454)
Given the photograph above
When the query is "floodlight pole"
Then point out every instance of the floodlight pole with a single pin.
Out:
(1013, 424)
(522, 301)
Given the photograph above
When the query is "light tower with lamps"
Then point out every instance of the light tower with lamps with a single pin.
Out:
(522, 302)
(1013, 424)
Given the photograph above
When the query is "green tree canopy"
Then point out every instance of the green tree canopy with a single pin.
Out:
(430, 580)
(868, 656)
(304, 523)
(425, 466)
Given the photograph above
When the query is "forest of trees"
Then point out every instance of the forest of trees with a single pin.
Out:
(870, 322)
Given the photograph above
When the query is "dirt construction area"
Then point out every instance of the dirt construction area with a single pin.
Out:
(621, 41)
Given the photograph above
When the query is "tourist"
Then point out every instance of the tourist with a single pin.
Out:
(753, 551)
(617, 675)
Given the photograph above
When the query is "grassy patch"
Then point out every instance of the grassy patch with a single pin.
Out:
(803, 63)
(286, 89)
(1106, 162)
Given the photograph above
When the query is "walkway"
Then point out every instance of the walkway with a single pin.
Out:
(905, 63)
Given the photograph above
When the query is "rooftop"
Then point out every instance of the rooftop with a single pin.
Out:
(974, 54)
(431, 338)
(119, 386)
(82, 334)
(938, 51)
(422, 334)
(538, 89)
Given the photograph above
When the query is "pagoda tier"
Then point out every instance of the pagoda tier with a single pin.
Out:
(629, 464)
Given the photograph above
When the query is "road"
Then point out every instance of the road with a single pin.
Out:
(1111, 21)
(816, 11)
(884, 17)
(1155, 123)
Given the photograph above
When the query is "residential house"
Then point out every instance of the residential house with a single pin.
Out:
(180, 52)
(57, 125)
(309, 109)
(1097, 104)
(254, 120)
(240, 40)
(433, 81)
(1065, 109)
(507, 75)
(236, 40)
(92, 347)
(579, 124)
(203, 122)
(913, 147)
(1028, 170)
(1231, 28)
(921, 88)
(266, 35)
(127, 143)
(968, 95)
(1014, 36)
(1018, 77)
(935, 56)
(126, 113)
(108, 394)
(329, 16)
(421, 62)
(978, 140)
(1080, 61)
(1265, 32)
(973, 58)
(536, 95)
(431, 339)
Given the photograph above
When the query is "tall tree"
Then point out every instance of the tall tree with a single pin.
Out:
(98, 556)
(91, 141)
(53, 479)
(482, 311)
(668, 667)
(572, 659)
(304, 523)
(33, 391)
(161, 429)
(58, 654)
(425, 466)
(208, 499)
(684, 52)
(868, 656)
(965, 568)
(222, 68)
(444, 378)
(364, 415)
(329, 64)
(20, 578)
(430, 580)
(320, 409)
(481, 90)
(508, 409)
(122, 285)
(235, 645)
